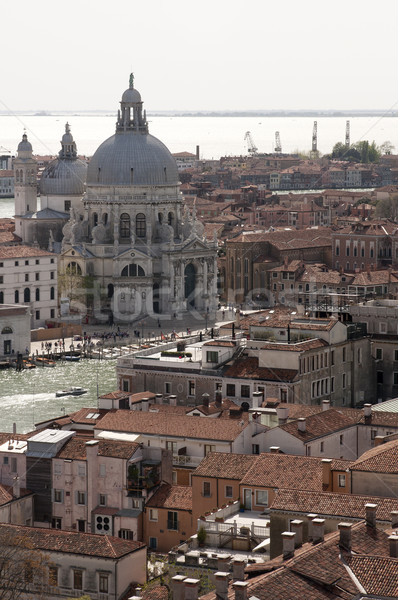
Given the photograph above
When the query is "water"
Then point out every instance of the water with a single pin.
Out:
(28, 397)
(216, 136)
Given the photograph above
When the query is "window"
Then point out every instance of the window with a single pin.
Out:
(52, 313)
(57, 468)
(52, 293)
(191, 388)
(124, 226)
(344, 354)
(37, 295)
(380, 377)
(379, 353)
(26, 277)
(102, 500)
(212, 357)
(103, 583)
(395, 354)
(228, 491)
(172, 520)
(245, 391)
(37, 261)
(37, 276)
(80, 498)
(167, 388)
(153, 514)
(343, 381)
(16, 263)
(1, 297)
(37, 315)
(133, 270)
(58, 495)
(81, 470)
(230, 389)
(255, 449)
(52, 275)
(322, 446)
(26, 295)
(209, 448)
(53, 576)
(172, 446)
(67, 205)
(5, 460)
(341, 480)
(262, 497)
(77, 579)
(56, 523)
(102, 470)
(153, 543)
(125, 534)
(395, 378)
(341, 439)
(140, 225)
(206, 489)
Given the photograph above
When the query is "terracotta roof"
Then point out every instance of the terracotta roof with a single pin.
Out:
(332, 504)
(225, 466)
(176, 497)
(380, 417)
(22, 252)
(295, 346)
(70, 542)
(75, 449)
(247, 368)
(320, 424)
(381, 459)
(174, 426)
(285, 471)
(377, 575)
(224, 343)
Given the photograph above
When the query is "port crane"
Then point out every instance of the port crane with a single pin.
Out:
(278, 145)
(347, 134)
(251, 146)
(314, 151)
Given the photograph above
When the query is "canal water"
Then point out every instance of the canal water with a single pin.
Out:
(28, 397)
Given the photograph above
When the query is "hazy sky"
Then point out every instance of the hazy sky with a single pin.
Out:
(204, 55)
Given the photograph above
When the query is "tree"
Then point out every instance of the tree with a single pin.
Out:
(23, 568)
(387, 147)
(388, 208)
(76, 287)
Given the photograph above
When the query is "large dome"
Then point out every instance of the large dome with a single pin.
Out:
(129, 158)
(132, 156)
(64, 177)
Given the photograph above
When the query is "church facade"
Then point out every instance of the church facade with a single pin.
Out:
(145, 252)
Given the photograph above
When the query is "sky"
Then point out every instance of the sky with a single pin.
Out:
(209, 55)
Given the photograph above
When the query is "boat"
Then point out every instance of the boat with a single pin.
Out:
(73, 391)
(71, 358)
(41, 361)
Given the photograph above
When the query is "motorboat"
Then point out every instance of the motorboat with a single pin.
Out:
(41, 361)
(72, 391)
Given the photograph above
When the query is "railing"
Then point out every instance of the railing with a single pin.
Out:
(256, 531)
(186, 461)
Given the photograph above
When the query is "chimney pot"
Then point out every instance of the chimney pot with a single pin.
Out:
(394, 518)
(379, 440)
(191, 588)
(16, 487)
(296, 527)
(345, 536)
(326, 473)
(145, 404)
(301, 424)
(240, 589)
(393, 545)
(325, 404)
(367, 410)
(282, 414)
(221, 578)
(177, 586)
(159, 398)
(274, 449)
(310, 517)
(238, 569)
(205, 399)
(173, 400)
(318, 530)
(371, 514)
(257, 399)
(223, 563)
(288, 544)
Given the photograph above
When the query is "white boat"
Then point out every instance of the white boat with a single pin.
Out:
(73, 391)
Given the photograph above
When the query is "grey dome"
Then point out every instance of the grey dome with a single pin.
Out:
(131, 96)
(132, 158)
(64, 177)
(24, 146)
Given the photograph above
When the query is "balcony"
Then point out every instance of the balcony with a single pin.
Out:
(182, 460)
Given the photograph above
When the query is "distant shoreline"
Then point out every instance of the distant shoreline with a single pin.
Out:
(215, 113)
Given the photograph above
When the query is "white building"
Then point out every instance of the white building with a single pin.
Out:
(14, 328)
(28, 276)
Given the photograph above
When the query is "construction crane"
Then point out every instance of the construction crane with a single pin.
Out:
(251, 146)
(314, 151)
(2, 149)
(278, 145)
(347, 134)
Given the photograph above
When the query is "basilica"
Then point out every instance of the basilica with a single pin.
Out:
(127, 227)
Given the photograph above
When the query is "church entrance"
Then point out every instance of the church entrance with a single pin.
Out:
(155, 298)
(190, 282)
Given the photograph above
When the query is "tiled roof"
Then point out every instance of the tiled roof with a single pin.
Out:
(174, 426)
(381, 418)
(285, 471)
(247, 368)
(381, 459)
(22, 252)
(225, 466)
(75, 449)
(176, 497)
(70, 542)
(320, 424)
(290, 238)
(377, 575)
(331, 504)
(295, 346)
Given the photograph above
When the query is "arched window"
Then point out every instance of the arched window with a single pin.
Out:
(52, 293)
(74, 269)
(124, 225)
(16, 296)
(105, 218)
(170, 219)
(140, 225)
(1, 297)
(26, 295)
(160, 218)
(6, 330)
(37, 294)
(133, 270)
(110, 290)
(95, 219)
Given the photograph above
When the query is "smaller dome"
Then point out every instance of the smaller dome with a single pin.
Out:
(24, 146)
(131, 96)
(64, 177)
(67, 138)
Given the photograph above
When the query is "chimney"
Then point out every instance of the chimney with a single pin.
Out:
(218, 398)
(91, 449)
(310, 517)
(274, 449)
(282, 414)
(345, 536)
(325, 404)
(379, 439)
(288, 544)
(240, 589)
(318, 530)
(238, 569)
(296, 527)
(138, 592)
(145, 404)
(367, 411)
(221, 585)
(393, 545)
(223, 561)
(257, 399)
(159, 398)
(191, 589)
(394, 518)
(177, 587)
(237, 317)
(326, 474)
(205, 399)
(197, 153)
(371, 514)
(173, 400)
(16, 487)
(301, 424)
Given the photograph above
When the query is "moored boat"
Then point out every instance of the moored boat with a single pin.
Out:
(41, 361)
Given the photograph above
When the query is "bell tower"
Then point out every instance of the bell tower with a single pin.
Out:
(25, 183)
